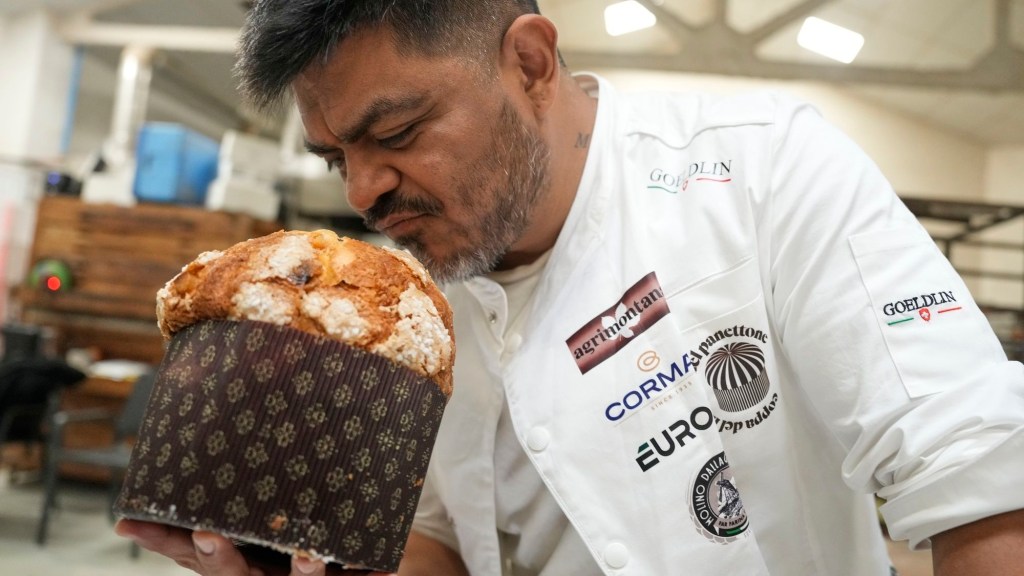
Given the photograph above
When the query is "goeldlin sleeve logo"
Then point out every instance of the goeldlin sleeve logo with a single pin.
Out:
(640, 307)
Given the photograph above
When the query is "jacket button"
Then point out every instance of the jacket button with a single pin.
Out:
(616, 555)
(537, 440)
(515, 341)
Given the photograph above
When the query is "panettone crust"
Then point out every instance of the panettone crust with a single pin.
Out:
(378, 299)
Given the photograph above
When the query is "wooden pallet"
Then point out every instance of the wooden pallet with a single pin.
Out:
(119, 258)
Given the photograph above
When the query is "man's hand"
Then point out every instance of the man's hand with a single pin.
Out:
(213, 555)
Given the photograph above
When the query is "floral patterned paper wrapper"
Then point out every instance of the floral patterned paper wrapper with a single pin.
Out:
(284, 440)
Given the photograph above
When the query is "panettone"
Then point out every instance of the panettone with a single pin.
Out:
(298, 400)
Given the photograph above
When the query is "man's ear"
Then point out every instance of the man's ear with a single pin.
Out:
(529, 58)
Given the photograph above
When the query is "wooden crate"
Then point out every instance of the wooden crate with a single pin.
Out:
(91, 394)
(119, 258)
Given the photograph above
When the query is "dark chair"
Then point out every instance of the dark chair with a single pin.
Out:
(113, 457)
(29, 384)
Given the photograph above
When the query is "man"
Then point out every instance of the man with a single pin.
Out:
(695, 335)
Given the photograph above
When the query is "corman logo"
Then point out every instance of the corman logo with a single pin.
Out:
(640, 307)
(673, 182)
(897, 312)
(715, 504)
(654, 386)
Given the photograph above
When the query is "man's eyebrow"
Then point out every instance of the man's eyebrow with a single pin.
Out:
(378, 109)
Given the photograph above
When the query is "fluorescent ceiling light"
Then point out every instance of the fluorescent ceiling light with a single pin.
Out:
(625, 17)
(830, 40)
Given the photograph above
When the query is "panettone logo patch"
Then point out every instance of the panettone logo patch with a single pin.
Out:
(715, 504)
(925, 307)
(736, 373)
(734, 366)
(642, 305)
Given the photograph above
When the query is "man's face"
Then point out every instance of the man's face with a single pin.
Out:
(434, 154)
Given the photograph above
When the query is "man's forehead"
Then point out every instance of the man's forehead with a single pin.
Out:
(363, 62)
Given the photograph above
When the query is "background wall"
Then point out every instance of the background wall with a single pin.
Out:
(920, 160)
(1004, 183)
(35, 76)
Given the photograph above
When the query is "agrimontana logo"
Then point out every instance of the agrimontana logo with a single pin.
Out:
(640, 307)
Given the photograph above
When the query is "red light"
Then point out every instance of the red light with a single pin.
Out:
(53, 283)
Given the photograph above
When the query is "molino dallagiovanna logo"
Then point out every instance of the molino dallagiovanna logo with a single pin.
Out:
(715, 504)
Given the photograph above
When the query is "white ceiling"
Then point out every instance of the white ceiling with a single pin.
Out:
(909, 47)
(910, 43)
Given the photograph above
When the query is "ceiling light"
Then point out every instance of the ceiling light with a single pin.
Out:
(830, 40)
(625, 17)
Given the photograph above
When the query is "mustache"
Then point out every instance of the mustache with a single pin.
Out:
(396, 202)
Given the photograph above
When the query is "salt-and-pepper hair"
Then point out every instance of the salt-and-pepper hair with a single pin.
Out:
(283, 37)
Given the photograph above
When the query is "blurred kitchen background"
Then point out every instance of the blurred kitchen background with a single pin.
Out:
(126, 151)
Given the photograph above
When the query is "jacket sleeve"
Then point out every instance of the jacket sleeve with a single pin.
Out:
(884, 338)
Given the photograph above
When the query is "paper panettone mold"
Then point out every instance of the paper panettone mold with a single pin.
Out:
(279, 436)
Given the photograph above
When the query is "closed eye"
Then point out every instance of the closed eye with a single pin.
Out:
(397, 140)
(336, 163)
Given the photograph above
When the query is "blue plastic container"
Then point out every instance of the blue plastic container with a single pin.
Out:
(174, 164)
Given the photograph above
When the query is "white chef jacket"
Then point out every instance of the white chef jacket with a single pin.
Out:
(740, 335)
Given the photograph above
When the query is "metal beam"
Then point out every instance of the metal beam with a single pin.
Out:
(94, 7)
(802, 10)
(994, 274)
(716, 48)
(184, 38)
(667, 19)
(997, 72)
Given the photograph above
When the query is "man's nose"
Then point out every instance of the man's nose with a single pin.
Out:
(368, 178)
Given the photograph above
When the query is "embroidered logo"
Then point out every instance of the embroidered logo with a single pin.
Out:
(901, 311)
(674, 182)
(640, 307)
(715, 504)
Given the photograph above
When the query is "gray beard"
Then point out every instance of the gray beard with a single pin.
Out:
(523, 157)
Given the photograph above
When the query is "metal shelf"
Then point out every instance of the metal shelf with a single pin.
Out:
(967, 220)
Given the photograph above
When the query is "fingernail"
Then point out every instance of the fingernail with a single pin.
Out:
(203, 545)
(305, 566)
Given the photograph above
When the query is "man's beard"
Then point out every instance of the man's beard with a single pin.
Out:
(523, 157)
